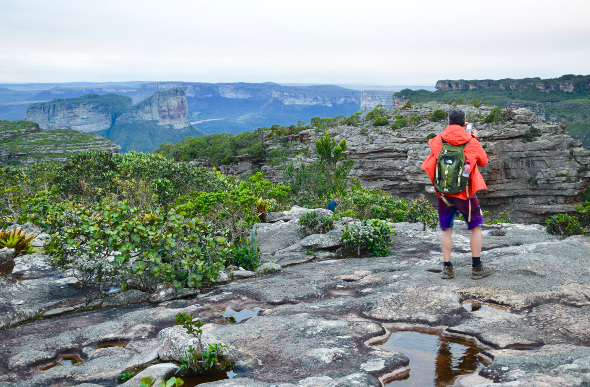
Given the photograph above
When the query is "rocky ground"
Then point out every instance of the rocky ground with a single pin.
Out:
(314, 316)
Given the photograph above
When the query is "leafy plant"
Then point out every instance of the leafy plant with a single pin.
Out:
(246, 257)
(438, 115)
(380, 121)
(564, 225)
(125, 376)
(400, 122)
(151, 382)
(583, 213)
(374, 236)
(16, 239)
(316, 222)
(422, 211)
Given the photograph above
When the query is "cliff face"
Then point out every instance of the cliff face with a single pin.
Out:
(89, 113)
(114, 116)
(288, 95)
(567, 83)
(24, 143)
(535, 168)
(165, 107)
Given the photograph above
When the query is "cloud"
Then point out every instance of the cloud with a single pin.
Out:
(321, 41)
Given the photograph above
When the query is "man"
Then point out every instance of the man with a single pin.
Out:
(332, 205)
(449, 204)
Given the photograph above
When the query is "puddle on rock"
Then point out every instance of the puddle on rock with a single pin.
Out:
(64, 361)
(231, 316)
(190, 381)
(112, 343)
(435, 360)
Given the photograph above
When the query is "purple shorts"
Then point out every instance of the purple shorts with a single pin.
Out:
(446, 214)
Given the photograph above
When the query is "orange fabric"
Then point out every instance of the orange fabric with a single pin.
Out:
(474, 153)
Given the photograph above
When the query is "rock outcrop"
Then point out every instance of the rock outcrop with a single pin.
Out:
(161, 117)
(88, 113)
(322, 323)
(535, 167)
(567, 83)
(166, 107)
(25, 143)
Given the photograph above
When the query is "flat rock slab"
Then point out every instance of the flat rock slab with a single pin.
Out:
(309, 324)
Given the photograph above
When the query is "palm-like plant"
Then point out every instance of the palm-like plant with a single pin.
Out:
(17, 240)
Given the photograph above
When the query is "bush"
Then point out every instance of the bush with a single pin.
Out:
(380, 121)
(583, 213)
(316, 222)
(111, 243)
(17, 240)
(400, 122)
(564, 225)
(438, 115)
(421, 211)
(378, 111)
(246, 257)
(374, 236)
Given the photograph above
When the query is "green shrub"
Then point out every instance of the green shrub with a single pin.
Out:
(438, 115)
(17, 240)
(498, 115)
(564, 225)
(430, 135)
(374, 236)
(400, 122)
(246, 257)
(111, 243)
(421, 211)
(378, 111)
(531, 134)
(583, 213)
(353, 120)
(380, 121)
(316, 222)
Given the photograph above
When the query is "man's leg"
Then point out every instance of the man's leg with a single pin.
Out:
(475, 242)
(446, 242)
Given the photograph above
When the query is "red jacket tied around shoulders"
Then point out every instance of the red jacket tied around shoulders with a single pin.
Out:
(474, 154)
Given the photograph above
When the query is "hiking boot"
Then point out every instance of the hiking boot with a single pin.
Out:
(480, 271)
(448, 272)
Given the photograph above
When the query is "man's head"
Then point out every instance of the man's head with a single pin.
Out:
(337, 200)
(457, 117)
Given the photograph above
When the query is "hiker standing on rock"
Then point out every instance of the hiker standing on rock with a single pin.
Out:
(453, 169)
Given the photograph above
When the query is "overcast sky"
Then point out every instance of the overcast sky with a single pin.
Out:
(410, 42)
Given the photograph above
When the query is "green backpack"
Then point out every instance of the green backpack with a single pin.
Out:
(448, 175)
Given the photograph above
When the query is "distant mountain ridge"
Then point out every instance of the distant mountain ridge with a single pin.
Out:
(565, 99)
(141, 127)
(574, 84)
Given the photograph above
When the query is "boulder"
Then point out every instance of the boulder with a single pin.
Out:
(6, 261)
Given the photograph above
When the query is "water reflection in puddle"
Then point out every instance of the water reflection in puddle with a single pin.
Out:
(113, 343)
(434, 360)
(64, 361)
(190, 381)
(232, 316)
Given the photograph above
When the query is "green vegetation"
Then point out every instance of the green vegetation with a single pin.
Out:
(199, 360)
(17, 240)
(219, 149)
(315, 222)
(151, 382)
(374, 236)
(564, 225)
(380, 121)
(570, 108)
